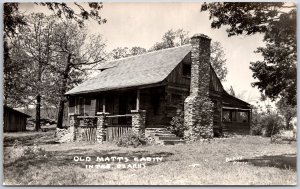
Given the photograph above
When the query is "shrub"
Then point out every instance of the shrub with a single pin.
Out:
(177, 125)
(19, 151)
(273, 124)
(130, 139)
(257, 127)
(267, 124)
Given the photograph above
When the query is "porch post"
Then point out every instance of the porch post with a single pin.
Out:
(138, 122)
(74, 123)
(103, 103)
(138, 100)
(101, 124)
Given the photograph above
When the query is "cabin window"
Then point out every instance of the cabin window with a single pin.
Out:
(242, 117)
(227, 116)
(235, 116)
(186, 70)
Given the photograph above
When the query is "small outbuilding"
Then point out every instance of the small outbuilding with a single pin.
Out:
(14, 120)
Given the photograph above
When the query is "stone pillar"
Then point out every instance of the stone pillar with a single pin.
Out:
(195, 105)
(138, 122)
(101, 126)
(74, 124)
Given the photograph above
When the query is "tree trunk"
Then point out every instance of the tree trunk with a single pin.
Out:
(60, 115)
(38, 98)
(6, 69)
(61, 107)
(38, 113)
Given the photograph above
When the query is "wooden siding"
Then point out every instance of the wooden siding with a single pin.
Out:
(215, 83)
(236, 128)
(176, 76)
(13, 120)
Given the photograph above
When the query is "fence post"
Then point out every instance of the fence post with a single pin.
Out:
(101, 124)
(138, 122)
(74, 123)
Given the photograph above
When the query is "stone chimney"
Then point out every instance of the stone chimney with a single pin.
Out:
(195, 105)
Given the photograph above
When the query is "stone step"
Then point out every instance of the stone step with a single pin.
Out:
(156, 129)
(168, 138)
(158, 132)
(164, 135)
(172, 142)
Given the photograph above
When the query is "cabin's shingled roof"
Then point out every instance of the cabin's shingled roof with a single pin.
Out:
(149, 68)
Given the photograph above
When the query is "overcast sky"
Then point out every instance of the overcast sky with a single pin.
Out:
(143, 24)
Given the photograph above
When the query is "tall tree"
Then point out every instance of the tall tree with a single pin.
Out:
(122, 52)
(231, 91)
(13, 19)
(287, 111)
(180, 37)
(75, 53)
(35, 42)
(276, 74)
(80, 12)
(119, 52)
(137, 51)
(218, 60)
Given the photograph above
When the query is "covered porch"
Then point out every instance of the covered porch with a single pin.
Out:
(118, 111)
(236, 116)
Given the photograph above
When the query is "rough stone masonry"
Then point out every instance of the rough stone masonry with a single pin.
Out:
(196, 103)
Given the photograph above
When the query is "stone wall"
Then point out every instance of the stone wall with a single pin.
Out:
(198, 115)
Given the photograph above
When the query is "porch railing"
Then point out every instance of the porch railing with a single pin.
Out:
(102, 128)
(118, 126)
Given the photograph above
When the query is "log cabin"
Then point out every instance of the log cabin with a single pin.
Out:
(160, 84)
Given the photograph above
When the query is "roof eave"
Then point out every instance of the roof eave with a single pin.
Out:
(160, 83)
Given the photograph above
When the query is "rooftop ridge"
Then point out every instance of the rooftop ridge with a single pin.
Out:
(153, 71)
(147, 53)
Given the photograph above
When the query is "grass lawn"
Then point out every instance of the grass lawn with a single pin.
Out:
(257, 162)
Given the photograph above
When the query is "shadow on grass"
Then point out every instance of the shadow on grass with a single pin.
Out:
(30, 139)
(285, 161)
(66, 159)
